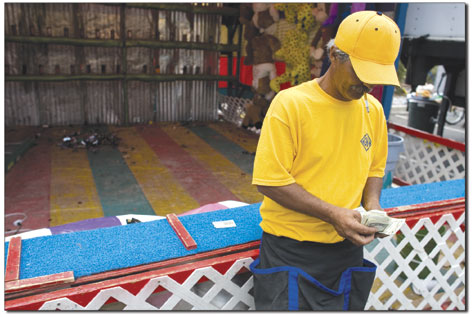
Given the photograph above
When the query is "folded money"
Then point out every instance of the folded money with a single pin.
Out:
(380, 220)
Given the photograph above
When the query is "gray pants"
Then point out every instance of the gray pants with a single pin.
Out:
(295, 275)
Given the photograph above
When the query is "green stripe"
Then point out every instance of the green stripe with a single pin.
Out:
(13, 152)
(233, 152)
(117, 187)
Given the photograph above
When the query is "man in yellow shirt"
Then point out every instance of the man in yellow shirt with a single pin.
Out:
(321, 154)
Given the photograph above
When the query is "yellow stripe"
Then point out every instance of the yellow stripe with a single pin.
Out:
(73, 191)
(238, 135)
(228, 174)
(163, 192)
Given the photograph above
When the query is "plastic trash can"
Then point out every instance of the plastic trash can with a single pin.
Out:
(422, 113)
(395, 147)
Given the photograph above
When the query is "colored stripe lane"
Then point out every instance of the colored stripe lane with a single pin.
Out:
(73, 192)
(245, 139)
(199, 182)
(163, 192)
(27, 189)
(231, 176)
(116, 185)
(233, 152)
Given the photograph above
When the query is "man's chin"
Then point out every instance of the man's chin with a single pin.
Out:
(354, 96)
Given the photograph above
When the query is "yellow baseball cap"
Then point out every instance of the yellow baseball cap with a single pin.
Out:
(372, 41)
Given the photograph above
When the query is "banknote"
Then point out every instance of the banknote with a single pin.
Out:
(380, 220)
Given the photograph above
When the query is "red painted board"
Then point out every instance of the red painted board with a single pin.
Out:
(428, 136)
(181, 232)
(13, 260)
(37, 282)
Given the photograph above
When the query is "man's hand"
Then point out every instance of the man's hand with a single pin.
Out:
(347, 224)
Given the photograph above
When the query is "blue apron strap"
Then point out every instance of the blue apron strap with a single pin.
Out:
(345, 281)
(293, 290)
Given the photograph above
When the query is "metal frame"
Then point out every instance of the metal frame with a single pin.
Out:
(124, 43)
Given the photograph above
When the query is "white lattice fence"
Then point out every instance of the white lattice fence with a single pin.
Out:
(426, 161)
(421, 268)
(226, 291)
(216, 284)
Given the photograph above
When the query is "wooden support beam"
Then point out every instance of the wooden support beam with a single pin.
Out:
(141, 77)
(118, 43)
(62, 41)
(125, 89)
(181, 232)
(37, 282)
(13, 260)
(186, 7)
(183, 45)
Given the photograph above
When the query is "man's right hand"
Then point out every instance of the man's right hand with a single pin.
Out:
(347, 223)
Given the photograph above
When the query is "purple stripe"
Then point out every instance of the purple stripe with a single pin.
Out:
(87, 224)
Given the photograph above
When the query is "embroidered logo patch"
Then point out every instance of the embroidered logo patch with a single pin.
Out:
(366, 141)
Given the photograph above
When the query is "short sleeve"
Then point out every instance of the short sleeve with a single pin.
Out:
(378, 164)
(275, 151)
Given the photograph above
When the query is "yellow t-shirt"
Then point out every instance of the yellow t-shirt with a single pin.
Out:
(327, 146)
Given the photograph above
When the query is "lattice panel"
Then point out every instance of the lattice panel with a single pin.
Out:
(227, 291)
(422, 268)
(233, 108)
(427, 162)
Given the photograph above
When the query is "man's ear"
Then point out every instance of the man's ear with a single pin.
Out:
(332, 54)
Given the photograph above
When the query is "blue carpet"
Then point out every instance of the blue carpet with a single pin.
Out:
(423, 193)
(100, 250)
(94, 251)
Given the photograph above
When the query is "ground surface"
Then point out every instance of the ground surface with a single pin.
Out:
(155, 170)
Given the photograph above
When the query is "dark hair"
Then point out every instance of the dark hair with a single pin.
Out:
(342, 56)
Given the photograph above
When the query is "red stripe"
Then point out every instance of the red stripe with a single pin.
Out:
(181, 232)
(27, 188)
(13, 260)
(195, 179)
(427, 136)
(400, 182)
(426, 206)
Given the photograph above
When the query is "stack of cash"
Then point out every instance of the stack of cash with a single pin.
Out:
(380, 220)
